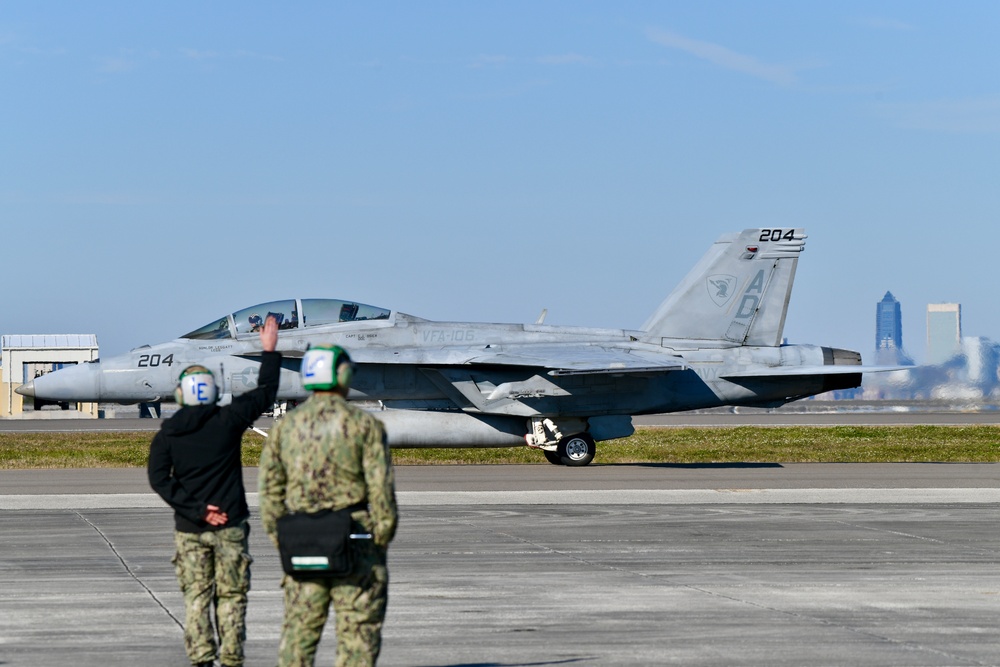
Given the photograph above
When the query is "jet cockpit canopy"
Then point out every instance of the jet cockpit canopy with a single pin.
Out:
(314, 312)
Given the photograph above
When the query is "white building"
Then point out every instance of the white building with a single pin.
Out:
(26, 356)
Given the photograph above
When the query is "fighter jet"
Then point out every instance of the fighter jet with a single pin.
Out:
(716, 340)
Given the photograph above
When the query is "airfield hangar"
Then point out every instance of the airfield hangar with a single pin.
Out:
(27, 356)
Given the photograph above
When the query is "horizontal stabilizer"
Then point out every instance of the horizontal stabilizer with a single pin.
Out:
(800, 371)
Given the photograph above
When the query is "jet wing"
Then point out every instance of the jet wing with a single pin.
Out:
(469, 387)
(562, 359)
(579, 359)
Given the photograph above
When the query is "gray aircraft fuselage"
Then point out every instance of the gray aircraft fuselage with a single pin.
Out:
(151, 373)
(716, 340)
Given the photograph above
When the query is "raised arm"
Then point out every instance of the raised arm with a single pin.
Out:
(269, 334)
(245, 409)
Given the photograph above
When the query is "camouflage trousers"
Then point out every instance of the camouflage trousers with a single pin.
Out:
(213, 569)
(359, 603)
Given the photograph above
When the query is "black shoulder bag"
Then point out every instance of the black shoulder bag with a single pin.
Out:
(317, 544)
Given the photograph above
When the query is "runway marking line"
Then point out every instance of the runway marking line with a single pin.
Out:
(861, 496)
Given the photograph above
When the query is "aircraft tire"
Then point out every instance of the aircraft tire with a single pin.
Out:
(576, 450)
(552, 457)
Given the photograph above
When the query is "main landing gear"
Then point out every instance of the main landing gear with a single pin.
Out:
(573, 450)
(577, 449)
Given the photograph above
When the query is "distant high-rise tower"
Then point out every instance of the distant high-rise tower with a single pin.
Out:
(888, 324)
(944, 331)
(889, 332)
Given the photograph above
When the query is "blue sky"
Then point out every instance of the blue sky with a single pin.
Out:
(162, 164)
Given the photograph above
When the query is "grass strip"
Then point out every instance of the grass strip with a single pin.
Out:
(744, 444)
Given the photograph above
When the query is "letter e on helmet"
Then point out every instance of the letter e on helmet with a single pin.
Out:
(196, 387)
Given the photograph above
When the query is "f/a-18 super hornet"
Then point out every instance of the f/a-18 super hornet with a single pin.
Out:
(716, 340)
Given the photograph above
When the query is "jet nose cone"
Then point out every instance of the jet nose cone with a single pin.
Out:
(75, 383)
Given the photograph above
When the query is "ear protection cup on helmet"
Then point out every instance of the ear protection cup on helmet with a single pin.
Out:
(345, 371)
(325, 368)
(196, 386)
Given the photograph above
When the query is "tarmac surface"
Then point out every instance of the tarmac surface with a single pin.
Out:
(499, 566)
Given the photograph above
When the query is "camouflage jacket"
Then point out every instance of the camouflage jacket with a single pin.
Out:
(328, 454)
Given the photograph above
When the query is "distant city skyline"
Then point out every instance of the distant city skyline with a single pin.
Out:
(959, 369)
(943, 333)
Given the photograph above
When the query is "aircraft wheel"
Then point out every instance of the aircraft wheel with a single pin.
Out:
(552, 457)
(577, 450)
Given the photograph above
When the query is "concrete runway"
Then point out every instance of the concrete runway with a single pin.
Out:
(805, 564)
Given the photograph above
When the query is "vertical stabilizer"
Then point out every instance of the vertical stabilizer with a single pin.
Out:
(737, 293)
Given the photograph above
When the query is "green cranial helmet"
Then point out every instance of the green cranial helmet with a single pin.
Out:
(326, 368)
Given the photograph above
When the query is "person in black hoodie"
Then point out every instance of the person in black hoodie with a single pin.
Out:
(194, 465)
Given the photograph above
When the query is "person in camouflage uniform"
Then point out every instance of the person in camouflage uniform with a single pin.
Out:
(194, 465)
(329, 454)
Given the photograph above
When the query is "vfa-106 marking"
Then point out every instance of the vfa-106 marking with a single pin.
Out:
(715, 340)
